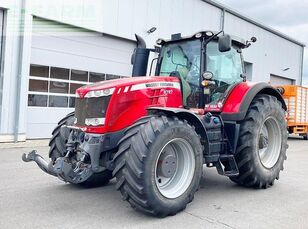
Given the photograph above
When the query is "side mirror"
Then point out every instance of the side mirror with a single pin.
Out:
(224, 43)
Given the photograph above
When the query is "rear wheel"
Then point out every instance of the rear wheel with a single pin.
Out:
(159, 165)
(58, 149)
(262, 143)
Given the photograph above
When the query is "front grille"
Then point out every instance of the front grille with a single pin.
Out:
(90, 108)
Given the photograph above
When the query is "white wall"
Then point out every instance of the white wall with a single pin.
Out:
(270, 54)
(123, 18)
(68, 46)
(12, 70)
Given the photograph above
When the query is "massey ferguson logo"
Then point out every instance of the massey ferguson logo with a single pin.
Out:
(159, 84)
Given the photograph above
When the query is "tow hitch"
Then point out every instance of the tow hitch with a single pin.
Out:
(61, 168)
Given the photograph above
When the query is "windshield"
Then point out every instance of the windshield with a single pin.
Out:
(182, 59)
(226, 68)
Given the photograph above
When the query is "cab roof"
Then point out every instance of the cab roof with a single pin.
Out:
(177, 37)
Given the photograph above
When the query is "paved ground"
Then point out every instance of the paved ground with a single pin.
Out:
(31, 199)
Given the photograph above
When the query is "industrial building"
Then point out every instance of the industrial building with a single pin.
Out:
(49, 48)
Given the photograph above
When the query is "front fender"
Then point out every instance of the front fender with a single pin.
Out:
(239, 100)
(190, 117)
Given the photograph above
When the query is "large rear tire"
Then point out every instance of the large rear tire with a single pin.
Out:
(58, 149)
(159, 165)
(262, 143)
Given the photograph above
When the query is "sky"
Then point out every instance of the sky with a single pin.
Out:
(288, 17)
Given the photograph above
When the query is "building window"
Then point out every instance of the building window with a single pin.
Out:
(39, 70)
(38, 85)
(58, 87)
(112, 77)
(51, 86)
(77, 75)
(58, 101)
(59, 73)
(37, 100)
(74, 87)
(72, 102)
(96, 77)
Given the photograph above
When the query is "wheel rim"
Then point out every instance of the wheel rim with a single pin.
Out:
(269, 142)
(174, 168)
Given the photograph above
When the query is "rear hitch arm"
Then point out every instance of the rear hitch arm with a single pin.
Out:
(40, 161)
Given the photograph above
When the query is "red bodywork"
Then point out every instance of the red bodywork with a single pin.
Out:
(236, 97)
(132, 96)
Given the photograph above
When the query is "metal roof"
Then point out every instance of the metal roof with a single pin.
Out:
(252, 21)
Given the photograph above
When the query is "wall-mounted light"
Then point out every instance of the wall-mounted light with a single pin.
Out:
(152, 30)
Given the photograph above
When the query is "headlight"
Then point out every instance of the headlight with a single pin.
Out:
(95, 121)
(100, 93)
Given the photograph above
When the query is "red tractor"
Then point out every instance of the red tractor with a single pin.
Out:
(154, 134)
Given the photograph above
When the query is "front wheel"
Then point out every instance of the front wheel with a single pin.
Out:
(262, 143)
(159, 165)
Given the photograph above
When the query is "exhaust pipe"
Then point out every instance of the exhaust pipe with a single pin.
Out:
(40, 161)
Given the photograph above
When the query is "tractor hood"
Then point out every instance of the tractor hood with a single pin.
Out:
(127, 84)
(111, 106)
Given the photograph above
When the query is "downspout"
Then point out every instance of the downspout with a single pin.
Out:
(19, 71)
(2, 45)
(302, 67)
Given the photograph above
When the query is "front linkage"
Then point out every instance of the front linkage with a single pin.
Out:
(63, 168)
(75, 167)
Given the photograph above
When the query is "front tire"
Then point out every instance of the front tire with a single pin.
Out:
(262, 143)
(159, 165)
(58, 149)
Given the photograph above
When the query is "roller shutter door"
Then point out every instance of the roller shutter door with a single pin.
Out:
(64, 58)
(278, 80)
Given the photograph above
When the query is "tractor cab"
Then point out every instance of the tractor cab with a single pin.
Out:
(205, 68)
(206, 64)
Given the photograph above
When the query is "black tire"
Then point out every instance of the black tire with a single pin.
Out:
(305, 136)
(135, 164)
(252, 171)
(57, 149)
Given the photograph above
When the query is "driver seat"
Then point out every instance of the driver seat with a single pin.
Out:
(185, 87)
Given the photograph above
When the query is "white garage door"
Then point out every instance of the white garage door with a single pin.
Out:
(64, 58)
(279, 80)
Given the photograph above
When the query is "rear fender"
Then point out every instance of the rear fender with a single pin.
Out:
(239, 100)
(190, 117)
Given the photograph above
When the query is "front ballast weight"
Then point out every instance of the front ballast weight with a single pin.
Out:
(62, 168)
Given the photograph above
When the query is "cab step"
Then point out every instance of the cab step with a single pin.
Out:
(227, 166)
